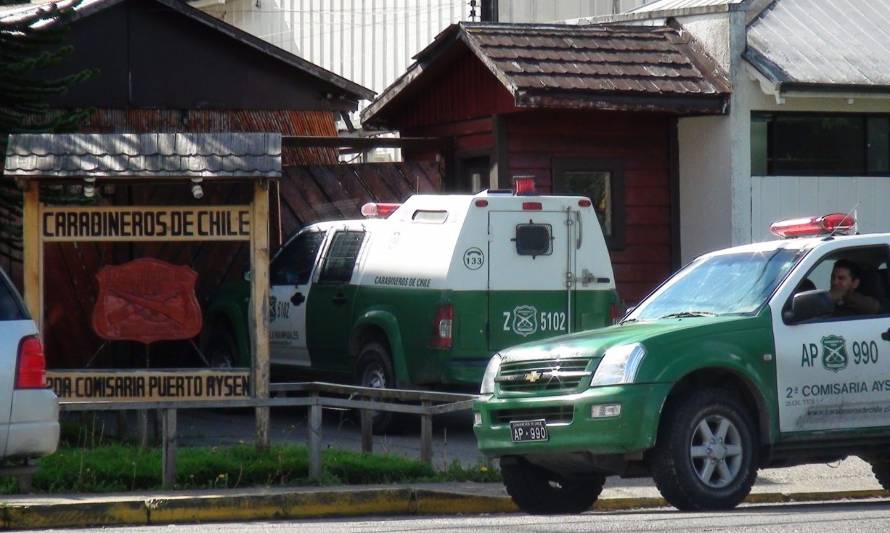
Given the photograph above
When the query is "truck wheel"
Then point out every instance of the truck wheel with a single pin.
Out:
(538, 491)
(222, 351)
(881, 470)
(374, 370)
(706, 453)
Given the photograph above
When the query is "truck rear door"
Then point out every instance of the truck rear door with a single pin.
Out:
(531, 272)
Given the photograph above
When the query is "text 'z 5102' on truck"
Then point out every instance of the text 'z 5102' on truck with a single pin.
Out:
(757, 356)
(425, 295)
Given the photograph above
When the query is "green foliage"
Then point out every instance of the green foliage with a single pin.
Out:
(30, 47)
(122, 467)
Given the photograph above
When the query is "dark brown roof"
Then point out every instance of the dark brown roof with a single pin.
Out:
(581, 66)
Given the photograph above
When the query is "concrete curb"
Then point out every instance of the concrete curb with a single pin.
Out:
(327, 504)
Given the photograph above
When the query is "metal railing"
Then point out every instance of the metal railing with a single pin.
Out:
(318, 395)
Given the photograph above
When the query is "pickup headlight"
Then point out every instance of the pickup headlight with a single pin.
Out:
(619, 365)
(491, 371)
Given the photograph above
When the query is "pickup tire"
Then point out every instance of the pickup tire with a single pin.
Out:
(374, 370)
(538, 491)
(222, 351)
(705, 456)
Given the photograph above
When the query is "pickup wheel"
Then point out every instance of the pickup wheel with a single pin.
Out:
(222, 351)
(374, 370)
(538, 491)
(706, 453)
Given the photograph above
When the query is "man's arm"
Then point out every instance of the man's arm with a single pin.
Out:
(862, 304)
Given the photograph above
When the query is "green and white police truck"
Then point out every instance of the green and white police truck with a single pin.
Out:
(739, 361)
(425, 295)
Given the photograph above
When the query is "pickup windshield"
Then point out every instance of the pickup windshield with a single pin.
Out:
(727, 284)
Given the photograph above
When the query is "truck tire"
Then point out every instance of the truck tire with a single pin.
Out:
(881, 470)
(374, 370)
(222, 351)
(706, 453)
(537, 491)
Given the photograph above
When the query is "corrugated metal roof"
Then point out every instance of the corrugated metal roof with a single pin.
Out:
(210, 155)
(668, 5)
(819, 43)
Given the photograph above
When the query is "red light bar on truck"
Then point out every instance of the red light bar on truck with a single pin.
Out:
(813, 226)
(524, 185)
(373, 210)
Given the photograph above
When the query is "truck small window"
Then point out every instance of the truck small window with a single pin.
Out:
(430, 217)
(340, 261)
(533, 239)
(293, 265)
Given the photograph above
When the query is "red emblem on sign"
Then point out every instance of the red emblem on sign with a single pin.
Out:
(147, 300)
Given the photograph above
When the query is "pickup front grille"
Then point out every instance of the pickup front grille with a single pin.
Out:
(548, 375)
(561, 414)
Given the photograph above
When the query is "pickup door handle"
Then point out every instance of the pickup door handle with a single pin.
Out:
(297, 298)
(339, 299)
(886, 335)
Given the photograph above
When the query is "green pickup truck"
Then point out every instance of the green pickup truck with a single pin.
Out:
(745, 359)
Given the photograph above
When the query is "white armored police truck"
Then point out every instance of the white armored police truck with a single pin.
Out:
(423, 293)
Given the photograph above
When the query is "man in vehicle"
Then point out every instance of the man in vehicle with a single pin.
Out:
(845, 279)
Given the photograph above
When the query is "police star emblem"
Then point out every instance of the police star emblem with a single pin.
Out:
(834, 353)
(533, 376)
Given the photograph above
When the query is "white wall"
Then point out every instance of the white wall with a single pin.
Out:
(558, 10)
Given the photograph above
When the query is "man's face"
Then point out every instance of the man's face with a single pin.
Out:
(841, 280)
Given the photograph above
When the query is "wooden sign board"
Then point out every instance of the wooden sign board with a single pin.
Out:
(139, 224)
(149, 385)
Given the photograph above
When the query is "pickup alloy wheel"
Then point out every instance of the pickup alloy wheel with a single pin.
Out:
(374, 370)
(706, 453)
(538, 491)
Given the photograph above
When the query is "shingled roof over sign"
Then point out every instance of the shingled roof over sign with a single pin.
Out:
(567, 66)
(148, 155)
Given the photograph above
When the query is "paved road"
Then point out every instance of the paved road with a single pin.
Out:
(870, 517)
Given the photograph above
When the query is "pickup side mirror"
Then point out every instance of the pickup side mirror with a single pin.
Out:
(809, 304)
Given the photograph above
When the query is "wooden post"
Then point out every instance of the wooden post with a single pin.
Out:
(426, 434)
(367, 429)
(33, 252)
(315, 438)
(168, 447)
(259, 298)
(142, 428)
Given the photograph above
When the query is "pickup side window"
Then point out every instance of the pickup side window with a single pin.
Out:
(342, 254)
(534, 239)
(293, 265)
(11, 307)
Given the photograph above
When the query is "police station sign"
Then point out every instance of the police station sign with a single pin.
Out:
(148, 385)
(169, 223)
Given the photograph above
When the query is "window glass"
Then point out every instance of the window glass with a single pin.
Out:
(533, 239)
(878, 145)
(817, 145)
(759, 146)
(11, 307)
(430, 217)
(596, 185)
(293, 264)
(735, 283)
(340, 261)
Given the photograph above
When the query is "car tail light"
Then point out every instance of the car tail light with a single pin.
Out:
(31, 368)
(584, 202)
(532, 206)
(443, 327)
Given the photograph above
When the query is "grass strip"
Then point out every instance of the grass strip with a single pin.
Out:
(117, 467)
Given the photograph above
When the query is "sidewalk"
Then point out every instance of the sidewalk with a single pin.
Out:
(850, 479)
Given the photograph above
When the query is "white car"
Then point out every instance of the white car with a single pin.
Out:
(29, 411)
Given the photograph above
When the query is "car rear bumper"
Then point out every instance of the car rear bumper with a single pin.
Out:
(33, 425)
